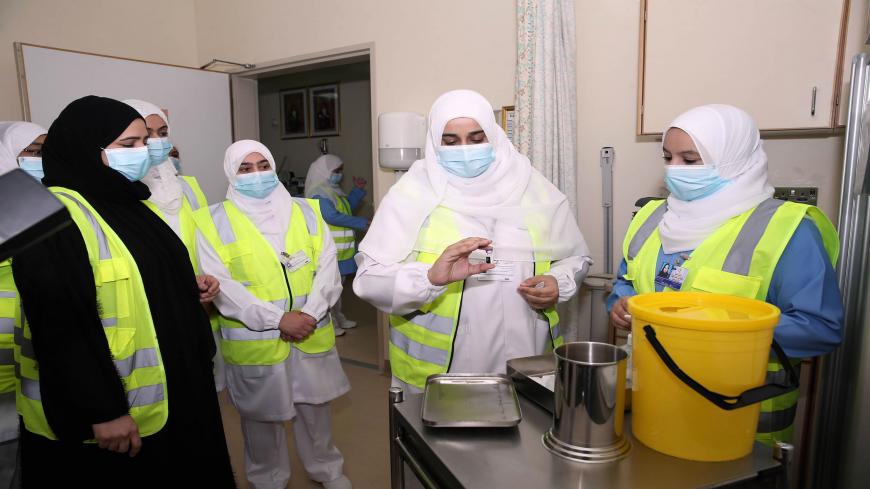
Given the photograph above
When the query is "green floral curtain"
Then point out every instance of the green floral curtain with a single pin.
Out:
(546, 107)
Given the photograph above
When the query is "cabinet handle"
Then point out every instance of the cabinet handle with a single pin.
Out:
(813, 104)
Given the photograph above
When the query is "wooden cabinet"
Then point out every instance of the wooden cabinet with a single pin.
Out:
(780, 60)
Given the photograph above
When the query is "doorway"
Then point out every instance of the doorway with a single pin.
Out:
(304, 111)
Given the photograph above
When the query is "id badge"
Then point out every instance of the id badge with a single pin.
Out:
(503, 272)
(294, 262)
(674, 277)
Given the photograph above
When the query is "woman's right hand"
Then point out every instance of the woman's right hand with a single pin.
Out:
(120, 435)
(296, 326)
(453, 264)
(619, 312)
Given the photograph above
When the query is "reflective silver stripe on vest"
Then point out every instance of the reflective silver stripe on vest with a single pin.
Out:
(300, 301)
(344, 246)
(556, 332)
(324, 321)
(26, 346)
(245, 334)
(105, 254)
(281, 303)
(430, 321)
(771, 422)
(740, 256)
(144, 396)
(780, 376)
(108, 322)
(7, 356)
(190, 194)
(646, 230)
(30, 389)
(7, 325)
(418, 351)
(222, 223)
(8, 295)
(344, 233)
(310, 216)
(146, 357)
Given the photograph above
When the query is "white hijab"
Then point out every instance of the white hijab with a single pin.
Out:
(317, 181)
(728, 139)
(162, 180)
(509, 191)
(14, 137)
(271, 215)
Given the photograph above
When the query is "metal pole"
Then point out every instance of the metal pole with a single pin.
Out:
(247, 66)
(397, 476)
(607, 204)
(784, 453)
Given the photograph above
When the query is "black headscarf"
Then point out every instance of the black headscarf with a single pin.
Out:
(78, 380)
(71, 155)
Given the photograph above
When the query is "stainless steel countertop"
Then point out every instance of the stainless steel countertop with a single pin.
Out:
(516, 458)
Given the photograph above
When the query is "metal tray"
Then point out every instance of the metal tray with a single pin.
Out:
(533, 378)
(470, 401)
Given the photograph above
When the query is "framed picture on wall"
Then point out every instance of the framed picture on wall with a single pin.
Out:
(325, 115)
(508, 116)
(294, 113)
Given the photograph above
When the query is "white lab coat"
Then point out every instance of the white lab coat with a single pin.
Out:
(267, 393)
(495, 322)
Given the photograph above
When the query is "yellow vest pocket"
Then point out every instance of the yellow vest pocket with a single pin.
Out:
(718, 282)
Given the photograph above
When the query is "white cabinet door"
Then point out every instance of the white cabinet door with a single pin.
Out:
(769, 57)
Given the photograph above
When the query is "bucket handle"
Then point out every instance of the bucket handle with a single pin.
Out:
(728, 403)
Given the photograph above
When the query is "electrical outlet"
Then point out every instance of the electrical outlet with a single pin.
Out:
(802, 195)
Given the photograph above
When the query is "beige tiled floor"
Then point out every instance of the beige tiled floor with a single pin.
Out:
(360, 424)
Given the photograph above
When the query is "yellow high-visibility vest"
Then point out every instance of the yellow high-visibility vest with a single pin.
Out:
(127, 323)
(421, 343)
(738, 259)
(252, 262)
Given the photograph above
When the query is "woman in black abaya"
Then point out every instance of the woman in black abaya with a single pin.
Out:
(81, 391)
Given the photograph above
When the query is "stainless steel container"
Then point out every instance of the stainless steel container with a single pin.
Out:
(589, 403)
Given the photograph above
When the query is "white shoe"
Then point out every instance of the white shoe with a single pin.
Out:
(339, 331)
(347, 323)
(341, 483)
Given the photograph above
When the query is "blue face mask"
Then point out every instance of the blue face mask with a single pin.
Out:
(467, 161)
(158, 150)
(692, 182)
(32, 165)
(176, 163)
(133, 163)
(335, 178)
(257, 185)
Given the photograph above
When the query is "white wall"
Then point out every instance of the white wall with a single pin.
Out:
(354, 142)
(421, 48)
(158, 30)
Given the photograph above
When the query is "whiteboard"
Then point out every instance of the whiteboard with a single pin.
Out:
(198, 101)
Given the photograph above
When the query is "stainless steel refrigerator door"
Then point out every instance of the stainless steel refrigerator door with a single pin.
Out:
(841, 437)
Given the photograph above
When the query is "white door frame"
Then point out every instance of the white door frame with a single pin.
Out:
(337, 55)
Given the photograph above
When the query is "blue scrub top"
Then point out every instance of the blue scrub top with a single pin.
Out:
(332, 216)
(804, 287)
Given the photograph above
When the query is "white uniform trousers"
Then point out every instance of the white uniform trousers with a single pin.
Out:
(267, 464)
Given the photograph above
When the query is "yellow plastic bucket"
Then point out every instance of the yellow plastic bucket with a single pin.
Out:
(698, 363)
